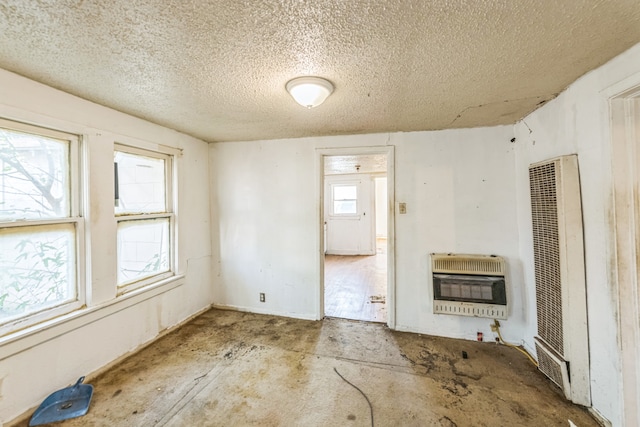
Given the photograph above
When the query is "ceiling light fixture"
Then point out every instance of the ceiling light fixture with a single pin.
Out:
(309, 91)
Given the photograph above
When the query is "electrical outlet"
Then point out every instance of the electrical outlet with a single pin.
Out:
(262, 297)
(402, 208)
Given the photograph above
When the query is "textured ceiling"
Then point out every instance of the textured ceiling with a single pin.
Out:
(217, 69)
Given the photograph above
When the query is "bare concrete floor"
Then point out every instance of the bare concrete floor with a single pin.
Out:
(228, 368)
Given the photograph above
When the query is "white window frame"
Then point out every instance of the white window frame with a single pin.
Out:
(75, 217)
(333, 213)
(169, 213)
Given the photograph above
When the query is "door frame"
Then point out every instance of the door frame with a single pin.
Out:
(623, 107)
(388, 150)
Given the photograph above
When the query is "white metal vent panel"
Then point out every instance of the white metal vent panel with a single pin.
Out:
(468, 264)
(558, 251)
(546, 252)
(553, 366)
(492, 311)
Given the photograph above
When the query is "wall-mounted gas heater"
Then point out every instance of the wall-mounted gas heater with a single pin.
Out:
(562, 344)
(469, 285)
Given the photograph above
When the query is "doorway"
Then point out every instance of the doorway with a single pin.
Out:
(355, 200)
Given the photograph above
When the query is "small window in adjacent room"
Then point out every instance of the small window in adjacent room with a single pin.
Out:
(345, 199)
(40, 224)
(143, 208)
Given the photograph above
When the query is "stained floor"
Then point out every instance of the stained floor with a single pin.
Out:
(229, 368)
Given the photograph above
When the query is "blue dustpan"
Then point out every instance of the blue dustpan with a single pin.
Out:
(70, 402)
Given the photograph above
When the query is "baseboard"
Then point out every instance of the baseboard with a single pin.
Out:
(264, 311)
(599, 418)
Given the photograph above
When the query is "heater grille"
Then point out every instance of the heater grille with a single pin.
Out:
(469, 285)
(549, 367)
(553, 366)
(491, 311)
(468, 264)
(546, 250)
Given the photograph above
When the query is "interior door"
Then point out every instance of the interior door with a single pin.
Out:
(349, 215)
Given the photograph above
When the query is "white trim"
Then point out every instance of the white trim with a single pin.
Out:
(38, 334)
(38, 222)
(232, 307)
(128, 287)
(600, 419)
(320, 233)
(623, 121)
(142, 217)
(130, 143)
(391, 238)
(141, 150)
(388, 150)
(81, 187)
(629, 87)
(76, 153)
(38, 130)
(175, 207)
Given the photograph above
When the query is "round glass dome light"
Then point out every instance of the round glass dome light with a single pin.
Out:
(309, 91)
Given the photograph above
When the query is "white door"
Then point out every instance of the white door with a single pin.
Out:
(349, 215)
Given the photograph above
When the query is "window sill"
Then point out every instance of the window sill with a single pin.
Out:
(19, 341)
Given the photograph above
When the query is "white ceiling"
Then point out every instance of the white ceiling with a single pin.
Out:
(217, 69)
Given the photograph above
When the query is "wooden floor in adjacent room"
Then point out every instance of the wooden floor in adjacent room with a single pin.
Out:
(355, 287)
(228, 368)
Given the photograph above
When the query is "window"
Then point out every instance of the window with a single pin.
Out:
(40, 224)
(144, 213)
(345, 199)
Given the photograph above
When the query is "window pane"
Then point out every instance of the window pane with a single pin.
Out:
(344, 207)
(345, 192)
(143, 249)
(141, 184)
(34, 176)
(345, 199)
(37, 268)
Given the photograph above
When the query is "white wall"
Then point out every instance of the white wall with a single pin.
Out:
(40, 360)
(460, 194)
(459, 187)
(578, 122)
(266, 212)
